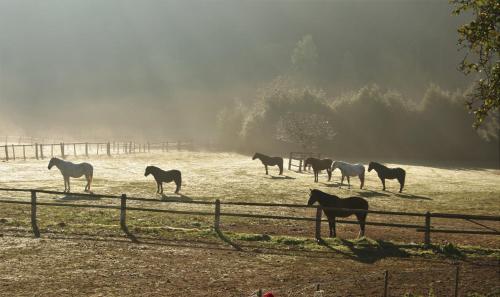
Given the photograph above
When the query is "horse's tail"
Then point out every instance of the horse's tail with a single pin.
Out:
(362, 178)
(280, 165)
(402, 181)
(178, 182)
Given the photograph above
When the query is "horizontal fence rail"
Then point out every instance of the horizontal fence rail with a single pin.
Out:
(425, 227)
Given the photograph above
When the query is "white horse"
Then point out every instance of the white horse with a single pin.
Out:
(349, 170)
(69, 169)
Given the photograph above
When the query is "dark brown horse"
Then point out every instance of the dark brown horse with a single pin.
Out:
(318, 165)
(332, 201)
(389, 173)
(162, 176)
(269, 161)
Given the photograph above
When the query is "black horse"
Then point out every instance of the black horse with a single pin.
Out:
(162, 176)
(388, 173)
(318, 165)
(332, 201)
(269, 161)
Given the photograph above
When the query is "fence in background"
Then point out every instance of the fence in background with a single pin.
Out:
(301, 157)
(426, 226)
(43, 150)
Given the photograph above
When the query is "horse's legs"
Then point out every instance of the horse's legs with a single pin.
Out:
(334, 227)
(401, 184)
(383, 184)
(266, 169)
(89, 180)
(65, 184)
(281, 169)
(177, 188)
(361, 220)
(342, 181)
(362, 179)
(161, 187)
(69, 187)
(329, 174)
(348, 182)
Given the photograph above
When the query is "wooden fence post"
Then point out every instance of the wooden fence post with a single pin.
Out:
(108, 149)
(319, 212)
(386, 283)
(457, 268)
(86, 149)
(123, 213)
(74, 149)
(41, 151)
(6, 153)
(300, 165)
(13, 153)
(24, 152)
(34, 226)
(36, 151)
(62, 150)
(290, 162)
(427, 234)
(217, 215)
(97, 149)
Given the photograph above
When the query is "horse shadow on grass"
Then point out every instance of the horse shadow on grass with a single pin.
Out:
(77, 197)
(367, 252)
(332, 185)
(281, 177)
(178, 198)
(371, 194)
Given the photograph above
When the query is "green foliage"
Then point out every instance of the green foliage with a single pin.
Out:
(481, 38)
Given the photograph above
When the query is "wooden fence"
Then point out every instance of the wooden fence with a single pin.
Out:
(426, 226)
(301, 157)
(63, 150)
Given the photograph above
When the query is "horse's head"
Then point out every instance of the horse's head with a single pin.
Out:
(52, 162)
(255, 156)
(313, 197)
(335, 165)
(370, 166)
(148, 171)
(307, 161)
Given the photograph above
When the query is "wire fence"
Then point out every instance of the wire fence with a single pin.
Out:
(12, 152)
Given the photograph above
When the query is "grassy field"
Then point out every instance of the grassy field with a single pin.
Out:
(91, 242)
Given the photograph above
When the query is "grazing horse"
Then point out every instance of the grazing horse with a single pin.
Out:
(388, 173)
(353, 203)
(318, 165)
(69, 169)
(162, 176)
(269, 161)
(349, 170)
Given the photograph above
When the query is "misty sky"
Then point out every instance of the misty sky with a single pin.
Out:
(90, 68)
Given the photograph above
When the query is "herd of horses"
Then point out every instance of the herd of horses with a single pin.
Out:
(332, 205)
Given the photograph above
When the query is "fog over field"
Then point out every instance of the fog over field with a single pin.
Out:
(382, 75)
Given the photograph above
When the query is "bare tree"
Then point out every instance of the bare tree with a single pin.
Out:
(305, 129)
